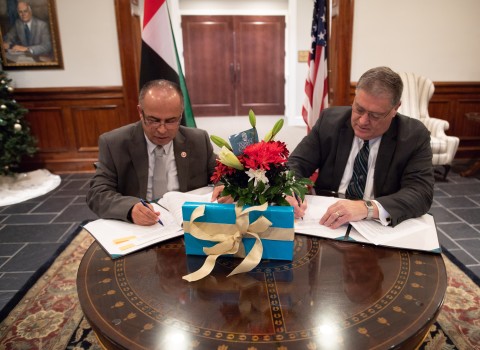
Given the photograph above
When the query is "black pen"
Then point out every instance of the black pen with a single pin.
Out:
(298, 201)
(145, 205)
(347, 234)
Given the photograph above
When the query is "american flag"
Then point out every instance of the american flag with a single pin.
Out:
(316, 85)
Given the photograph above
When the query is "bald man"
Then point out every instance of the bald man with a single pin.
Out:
(125, 171)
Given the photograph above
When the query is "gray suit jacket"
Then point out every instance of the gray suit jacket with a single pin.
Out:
(40, 42)
(122, 173)
(403, 178)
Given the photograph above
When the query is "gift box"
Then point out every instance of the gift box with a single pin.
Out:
(252, 233)
(219, 221)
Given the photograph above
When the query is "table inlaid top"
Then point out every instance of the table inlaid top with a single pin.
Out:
(333, 295)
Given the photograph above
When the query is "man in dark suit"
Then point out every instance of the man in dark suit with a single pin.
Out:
(126, 167)
(398, 184)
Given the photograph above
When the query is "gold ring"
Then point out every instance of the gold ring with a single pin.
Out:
(337, 214)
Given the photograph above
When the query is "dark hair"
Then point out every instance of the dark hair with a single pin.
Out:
(382, 80)
(160, 84)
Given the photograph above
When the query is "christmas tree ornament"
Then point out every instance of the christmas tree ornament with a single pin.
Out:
(16, 141)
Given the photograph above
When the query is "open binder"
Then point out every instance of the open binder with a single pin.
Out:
(415, 234)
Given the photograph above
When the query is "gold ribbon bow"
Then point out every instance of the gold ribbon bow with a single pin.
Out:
(229, 243)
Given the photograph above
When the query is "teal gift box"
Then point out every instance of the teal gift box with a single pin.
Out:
(220, 221)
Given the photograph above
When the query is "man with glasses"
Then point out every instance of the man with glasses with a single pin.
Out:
(150, 157)
(381, 161)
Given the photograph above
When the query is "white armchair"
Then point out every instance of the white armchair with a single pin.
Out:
(417, 92)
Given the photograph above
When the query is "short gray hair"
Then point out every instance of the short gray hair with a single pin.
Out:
(381, 80)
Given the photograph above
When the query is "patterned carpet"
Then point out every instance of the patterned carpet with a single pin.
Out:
(49, 316)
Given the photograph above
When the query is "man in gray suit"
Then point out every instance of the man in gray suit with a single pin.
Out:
(126, 167)
(28, 34)
(398, 183)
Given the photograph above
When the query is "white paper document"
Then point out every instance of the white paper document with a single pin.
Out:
(173, 200)
(417, 234)
(316, 207)
(119, 238)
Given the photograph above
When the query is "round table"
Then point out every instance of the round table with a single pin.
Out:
(333, 295)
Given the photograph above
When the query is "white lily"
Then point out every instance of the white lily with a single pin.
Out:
(229, 159)
(258, 175)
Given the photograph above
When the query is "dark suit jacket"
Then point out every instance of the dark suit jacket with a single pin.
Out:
(122, 173)
(403, 178)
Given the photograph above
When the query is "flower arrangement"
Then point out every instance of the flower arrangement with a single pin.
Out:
(256, 172)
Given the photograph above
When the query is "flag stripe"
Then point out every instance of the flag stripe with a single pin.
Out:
(150, 8)
(162, 70)
(162, 44)
(159, 53)
(316, 84)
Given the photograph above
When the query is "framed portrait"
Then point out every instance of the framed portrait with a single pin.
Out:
(29, 35)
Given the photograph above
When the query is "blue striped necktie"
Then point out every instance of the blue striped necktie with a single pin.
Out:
(356, 187)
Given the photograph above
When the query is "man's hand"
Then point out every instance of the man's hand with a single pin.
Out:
(19, 48)
(217, 190)
(345, 211)
(298, 209)
(144, 216)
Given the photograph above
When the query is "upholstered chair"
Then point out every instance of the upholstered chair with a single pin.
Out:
(417, 92)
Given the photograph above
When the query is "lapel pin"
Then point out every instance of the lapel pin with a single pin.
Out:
(183, 154)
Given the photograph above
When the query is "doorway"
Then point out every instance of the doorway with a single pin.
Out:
(234, 64)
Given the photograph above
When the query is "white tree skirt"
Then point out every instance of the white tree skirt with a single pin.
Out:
(24, 186)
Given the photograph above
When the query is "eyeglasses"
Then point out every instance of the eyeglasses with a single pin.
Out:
(375, 117)
(170, 123)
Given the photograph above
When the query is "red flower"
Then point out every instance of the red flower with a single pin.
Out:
(220, 171)
(263, 155)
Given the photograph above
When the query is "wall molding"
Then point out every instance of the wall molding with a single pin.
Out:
(68, 121)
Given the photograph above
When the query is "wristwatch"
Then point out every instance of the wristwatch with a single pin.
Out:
(369, 206)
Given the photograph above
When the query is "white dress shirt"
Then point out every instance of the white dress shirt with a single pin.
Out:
(384, 216)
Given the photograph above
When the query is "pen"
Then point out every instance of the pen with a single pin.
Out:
(347, 234)
(145, 205)
(298, 201)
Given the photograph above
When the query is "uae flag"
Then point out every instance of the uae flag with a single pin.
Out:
(316, 85)
(159, 52)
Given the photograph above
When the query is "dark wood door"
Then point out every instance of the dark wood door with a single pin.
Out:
(234, 64)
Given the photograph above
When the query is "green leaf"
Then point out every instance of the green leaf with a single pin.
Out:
(277, 127)
(220, 142)
(252, 118)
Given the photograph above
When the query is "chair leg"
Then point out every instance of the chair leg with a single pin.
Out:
(447, 168)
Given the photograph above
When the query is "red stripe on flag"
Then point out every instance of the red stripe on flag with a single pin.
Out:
(151, 7)
(316, 83)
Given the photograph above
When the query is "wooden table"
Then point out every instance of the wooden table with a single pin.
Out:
(334, 295)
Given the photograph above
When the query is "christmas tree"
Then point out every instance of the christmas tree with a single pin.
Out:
(15, 138)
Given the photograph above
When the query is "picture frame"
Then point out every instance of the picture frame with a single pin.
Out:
(39, 46)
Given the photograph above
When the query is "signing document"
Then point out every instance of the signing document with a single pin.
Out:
(119, 238)
(417, 234)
